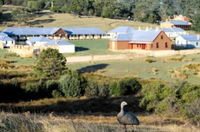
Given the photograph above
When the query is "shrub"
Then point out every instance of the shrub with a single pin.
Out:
(72, 84)
(41, 89)
(50, 64)
(193, 111)
(150, 60)
(125, 86)
(95, 89)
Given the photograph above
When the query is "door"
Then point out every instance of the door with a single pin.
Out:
(143, 46)
(130, 46)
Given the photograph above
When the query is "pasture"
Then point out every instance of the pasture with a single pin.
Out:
(164, 68)
(69, 20)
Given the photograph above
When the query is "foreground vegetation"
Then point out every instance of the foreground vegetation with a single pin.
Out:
(45, 123)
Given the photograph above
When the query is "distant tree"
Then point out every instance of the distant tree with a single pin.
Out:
(21, 15)
(50, 64)
(196, 23)
(35, 5)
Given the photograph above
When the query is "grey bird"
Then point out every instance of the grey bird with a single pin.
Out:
(126, 118)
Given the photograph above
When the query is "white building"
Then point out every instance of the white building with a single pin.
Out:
(7, 41)
(173, 32)
(188, 41)
(120, 30)
(63, 46)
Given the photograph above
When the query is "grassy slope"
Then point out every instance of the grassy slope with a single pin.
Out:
(68, 20)
(138, 67)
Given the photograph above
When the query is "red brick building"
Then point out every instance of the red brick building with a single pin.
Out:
(141, 40)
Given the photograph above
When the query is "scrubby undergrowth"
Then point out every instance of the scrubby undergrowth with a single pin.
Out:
(27, 122)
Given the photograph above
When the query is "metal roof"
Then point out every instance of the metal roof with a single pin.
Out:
(178, 22)
(49, 41)
(191, 37)
(83, 30)
(138, 36)
(122, 29)
(172, 29)
(123, 37)
(3, 34)
(38, 39)
(12, 31)
(6, 38)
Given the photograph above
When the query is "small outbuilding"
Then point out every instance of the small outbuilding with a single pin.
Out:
(188, 41)
(173, 32)
(62, 46)
(6, 41)
(176, 23)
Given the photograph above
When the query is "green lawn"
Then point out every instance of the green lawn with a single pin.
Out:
(16, 60)
(163, 68)
(91, 47)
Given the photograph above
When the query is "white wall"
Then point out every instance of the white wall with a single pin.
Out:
(8, 43)
(66, 48)
(182, 42)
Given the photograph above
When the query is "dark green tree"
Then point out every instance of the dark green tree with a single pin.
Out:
(50, 64)
(196, 23)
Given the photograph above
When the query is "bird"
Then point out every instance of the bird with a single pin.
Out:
(126, 118)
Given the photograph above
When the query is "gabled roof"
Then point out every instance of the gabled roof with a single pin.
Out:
(172, 29)
(3, 34)
(138, 36)
(178, 22)
(122, 29)
(83, 30)
(191, 37)
(31, 30)
(48, 41)
(145, 36)
(123, 37)
(6, 38)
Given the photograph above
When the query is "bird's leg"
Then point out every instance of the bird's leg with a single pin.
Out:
(125, 128)
(133, 128)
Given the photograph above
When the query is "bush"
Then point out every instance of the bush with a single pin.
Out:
(95, 89)
(125, 86)
(72, 84)
(50, 64)
(193, 111)
(41, 89)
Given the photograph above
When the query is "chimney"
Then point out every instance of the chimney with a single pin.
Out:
(198, 36)
(147, 28)
(157, 28)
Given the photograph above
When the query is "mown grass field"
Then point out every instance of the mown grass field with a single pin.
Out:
(164, 68)
(91, 47)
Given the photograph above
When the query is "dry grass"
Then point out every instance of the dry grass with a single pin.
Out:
(48, 19)
(27, 122)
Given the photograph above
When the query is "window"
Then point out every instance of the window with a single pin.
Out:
(161, 36)
(157, 45)
(197, 43)
(166, 45)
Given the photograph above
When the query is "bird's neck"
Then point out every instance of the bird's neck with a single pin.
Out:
(122, 110)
